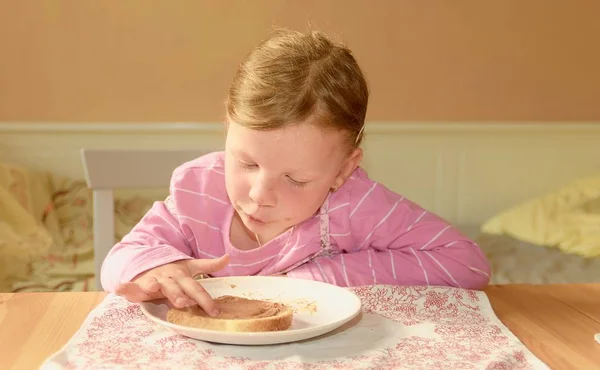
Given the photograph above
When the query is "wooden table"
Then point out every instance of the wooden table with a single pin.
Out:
(556, 322)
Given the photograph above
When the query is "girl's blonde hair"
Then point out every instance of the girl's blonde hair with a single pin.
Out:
(295, 76)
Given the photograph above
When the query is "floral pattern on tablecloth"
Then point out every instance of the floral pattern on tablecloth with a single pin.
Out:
(419, 328)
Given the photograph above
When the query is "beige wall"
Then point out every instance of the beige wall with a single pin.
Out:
(146, 61)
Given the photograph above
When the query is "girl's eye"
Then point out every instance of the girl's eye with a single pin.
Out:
(296, 183)
(247, 166)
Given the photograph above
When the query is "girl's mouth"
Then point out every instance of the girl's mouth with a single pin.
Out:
(256, 220)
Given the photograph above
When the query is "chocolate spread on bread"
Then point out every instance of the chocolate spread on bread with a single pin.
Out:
(237, 314)
(233, 308)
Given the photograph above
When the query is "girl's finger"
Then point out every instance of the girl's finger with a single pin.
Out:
(149, 285)
(173, 292)
(199, 295)
(132, 292)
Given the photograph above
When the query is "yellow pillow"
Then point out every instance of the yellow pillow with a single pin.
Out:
(568, 219)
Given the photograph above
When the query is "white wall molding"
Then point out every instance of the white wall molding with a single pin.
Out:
(374, 127)
(109, 127)
(466, 172)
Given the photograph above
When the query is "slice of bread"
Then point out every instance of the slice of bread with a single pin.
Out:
(237, 315)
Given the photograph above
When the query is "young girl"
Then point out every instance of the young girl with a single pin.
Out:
(287, 196)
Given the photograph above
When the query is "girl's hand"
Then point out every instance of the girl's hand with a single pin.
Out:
(175, 281)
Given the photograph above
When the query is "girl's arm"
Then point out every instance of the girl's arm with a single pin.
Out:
(156, 240)
(159, 238)
(391, 240)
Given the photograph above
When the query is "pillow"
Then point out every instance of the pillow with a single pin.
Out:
(23, 195)
(568, 219)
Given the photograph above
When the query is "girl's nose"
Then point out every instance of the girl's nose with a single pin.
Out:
(262, 192)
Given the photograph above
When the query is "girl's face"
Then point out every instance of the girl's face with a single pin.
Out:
(278, 178)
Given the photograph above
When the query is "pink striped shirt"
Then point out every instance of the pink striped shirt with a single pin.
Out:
(363, 234)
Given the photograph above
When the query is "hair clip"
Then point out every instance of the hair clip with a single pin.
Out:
(359, 134)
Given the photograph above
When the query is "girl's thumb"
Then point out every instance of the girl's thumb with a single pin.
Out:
(207, 266)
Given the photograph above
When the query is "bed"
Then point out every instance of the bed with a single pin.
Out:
(50, 246)
(46, 233)
(516, 261)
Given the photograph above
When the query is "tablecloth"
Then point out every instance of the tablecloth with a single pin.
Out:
(399, 328)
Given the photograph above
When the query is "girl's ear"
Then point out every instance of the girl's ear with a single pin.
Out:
(350, 164)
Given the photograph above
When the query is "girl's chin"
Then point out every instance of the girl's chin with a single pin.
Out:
(267, 232)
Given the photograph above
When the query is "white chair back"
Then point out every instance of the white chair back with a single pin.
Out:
(109, 169)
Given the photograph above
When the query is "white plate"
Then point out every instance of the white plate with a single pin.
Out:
(318, 308)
